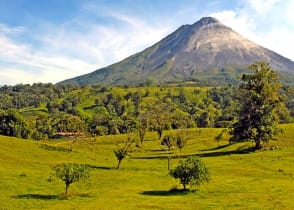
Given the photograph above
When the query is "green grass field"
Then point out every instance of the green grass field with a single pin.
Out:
(239, 179)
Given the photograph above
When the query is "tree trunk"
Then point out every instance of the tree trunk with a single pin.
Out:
(257, 145)
(184, 185)
(118, 164)
(66, 188)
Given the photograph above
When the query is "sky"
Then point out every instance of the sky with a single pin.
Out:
(50, 41)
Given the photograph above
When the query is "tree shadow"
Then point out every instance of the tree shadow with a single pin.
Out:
(99, 167)
(50, 197)
(54, 148)
(171, 192)
(206, 154)
(40, 197)
(223, 153)
(216, 148)
(156, 150)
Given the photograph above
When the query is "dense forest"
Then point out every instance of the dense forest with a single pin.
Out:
(42, 111)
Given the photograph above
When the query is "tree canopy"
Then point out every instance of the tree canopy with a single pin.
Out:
(259, 99)
(191, 171)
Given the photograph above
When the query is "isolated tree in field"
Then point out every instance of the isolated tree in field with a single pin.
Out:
(259, 100)
(142, 126)
(191, 171)
(180, 140)
(70, 173)
(169, 142)
(123, 151)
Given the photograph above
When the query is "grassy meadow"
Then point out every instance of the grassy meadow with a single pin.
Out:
(240, 179)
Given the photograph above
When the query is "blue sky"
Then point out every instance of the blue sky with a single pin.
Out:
(49, 41)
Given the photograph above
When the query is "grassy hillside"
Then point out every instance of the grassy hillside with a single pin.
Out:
(239, 179)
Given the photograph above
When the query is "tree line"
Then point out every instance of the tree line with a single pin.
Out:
(42, 111)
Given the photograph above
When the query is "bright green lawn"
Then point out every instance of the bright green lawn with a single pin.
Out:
(258, 180)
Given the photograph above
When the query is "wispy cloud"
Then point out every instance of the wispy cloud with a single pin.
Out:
(100, 35)
(4, 29)
(20, 63)
(67, 50)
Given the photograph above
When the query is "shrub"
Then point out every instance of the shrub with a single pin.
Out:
(191, 171)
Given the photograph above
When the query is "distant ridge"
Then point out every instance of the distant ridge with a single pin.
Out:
(206, 51)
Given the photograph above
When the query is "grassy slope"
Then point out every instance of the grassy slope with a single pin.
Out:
(260, 180)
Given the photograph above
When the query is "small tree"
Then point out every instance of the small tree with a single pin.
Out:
(191, 171)
(142, 127)
(70, 173)
(168, 141)
(123, 151)
(181, 141)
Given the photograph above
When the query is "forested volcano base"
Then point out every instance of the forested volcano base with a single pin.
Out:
(240, 178)
(42, 111)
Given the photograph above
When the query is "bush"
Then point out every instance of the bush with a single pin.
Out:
(191, 171)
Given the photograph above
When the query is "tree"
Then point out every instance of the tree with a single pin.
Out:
(169, 142)
(181, 140)
(70, 173)
(12, 124)
(123, 151)
(142, 126)
(159, 116)
(259, 100)
(191, 171)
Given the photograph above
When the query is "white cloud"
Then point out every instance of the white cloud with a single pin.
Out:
(261, 7)
(263, 22)
(81, 45)
(20, 63)
(66, 51)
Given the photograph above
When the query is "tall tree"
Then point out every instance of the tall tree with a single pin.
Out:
(259, 100)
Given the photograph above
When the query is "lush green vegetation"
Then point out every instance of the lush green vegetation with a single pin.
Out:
(260, 105)
(191, 171)
(240, 179)
(70, 173)
(147, 127)
(46, 111)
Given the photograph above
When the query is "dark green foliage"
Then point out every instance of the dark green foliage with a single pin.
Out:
(12, 124)
(191, 171)
(47, 109)
(70, 173)
(259, 100)
(181, 140)
(168, 141)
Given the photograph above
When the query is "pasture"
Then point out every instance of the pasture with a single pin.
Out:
(240, 178)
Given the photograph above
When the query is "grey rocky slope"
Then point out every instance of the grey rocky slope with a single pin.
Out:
(205, 51)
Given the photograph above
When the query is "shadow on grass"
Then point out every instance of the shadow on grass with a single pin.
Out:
(54, 148)
(206, 154)
(171, 192)
(156, 150)
(216, 148)
(99, 167)
(40, 197)
(50, 197)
